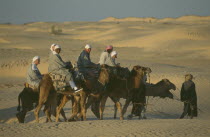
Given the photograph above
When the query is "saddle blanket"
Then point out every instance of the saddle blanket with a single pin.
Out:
(59, 82)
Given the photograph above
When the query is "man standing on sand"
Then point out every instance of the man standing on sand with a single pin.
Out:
(34, 76)
(106, 58)
(58, 66)
(189, 97)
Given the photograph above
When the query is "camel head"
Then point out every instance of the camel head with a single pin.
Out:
(140, 71)
(169, 84)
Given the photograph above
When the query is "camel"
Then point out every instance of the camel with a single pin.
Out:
(26, 100)
(160, 89)
(80, 101)
(126, 87)
(47, 95)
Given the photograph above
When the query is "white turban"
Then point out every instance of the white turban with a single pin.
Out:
(51, 47)
(57, 47)
(35, 58)
(87, 46)
(113, 53)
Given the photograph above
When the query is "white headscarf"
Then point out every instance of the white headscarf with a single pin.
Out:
(57, 47)
(88, 46)
(35, 58)
(51, 47)
(113, 53)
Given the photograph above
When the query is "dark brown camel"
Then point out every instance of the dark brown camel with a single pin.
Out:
(26, 100)
(126, 87)
(160, 89)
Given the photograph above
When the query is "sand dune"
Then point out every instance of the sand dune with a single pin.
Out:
(4, 41)
(171, 47)
(189, 18)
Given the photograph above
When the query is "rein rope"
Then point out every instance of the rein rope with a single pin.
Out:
(147, 96)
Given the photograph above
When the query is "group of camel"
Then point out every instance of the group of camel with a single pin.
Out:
(112, 82)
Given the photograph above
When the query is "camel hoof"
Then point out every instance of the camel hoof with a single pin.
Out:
(20, 120)
(144, 117)
(130, 116)
(72, 120)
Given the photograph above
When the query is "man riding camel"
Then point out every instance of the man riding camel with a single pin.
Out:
(34, 76)
(52, 48)
(58, 66)
(114, 56)
(106, 58)
(84, 64)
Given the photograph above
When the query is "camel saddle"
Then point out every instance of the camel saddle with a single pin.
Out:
(59, 82)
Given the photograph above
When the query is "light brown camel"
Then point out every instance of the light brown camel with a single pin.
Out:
(80, 101)
(47, 96)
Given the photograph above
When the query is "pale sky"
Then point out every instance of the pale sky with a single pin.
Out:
(23, 11)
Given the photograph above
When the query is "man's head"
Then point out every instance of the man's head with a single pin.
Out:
(52, 47)
(114, 54)
(109, 48)
(57, 49)
(88, 48)
(36, 60)
(188, 77)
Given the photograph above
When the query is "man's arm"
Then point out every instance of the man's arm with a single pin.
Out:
(86, 62)
(59, 61)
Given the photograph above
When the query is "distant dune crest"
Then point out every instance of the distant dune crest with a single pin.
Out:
(152, 19)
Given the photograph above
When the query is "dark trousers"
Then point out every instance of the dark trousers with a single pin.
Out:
(188, 110)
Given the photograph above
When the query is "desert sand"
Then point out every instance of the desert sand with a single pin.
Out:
(171, 47)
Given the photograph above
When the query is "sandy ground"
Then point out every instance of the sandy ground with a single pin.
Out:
(170, 47)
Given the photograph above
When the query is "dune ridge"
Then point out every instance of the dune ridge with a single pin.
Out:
(153, 19)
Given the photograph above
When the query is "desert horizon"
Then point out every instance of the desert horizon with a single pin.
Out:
(171, 47)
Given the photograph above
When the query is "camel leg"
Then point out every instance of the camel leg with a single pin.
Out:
(89, 102)
(59, 97)
(140, 111)
(115, 111)
(21, 116)
(102, 106)
(82, 105)
(75, 108)
(63, 115)
(47, 113)
(127, 102)
(37, 110)
(118, 105)
(143, 115)
(60, 107)
(95, 108)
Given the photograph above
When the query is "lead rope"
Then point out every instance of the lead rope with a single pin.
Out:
(147, 96)
(176, 98)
